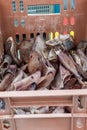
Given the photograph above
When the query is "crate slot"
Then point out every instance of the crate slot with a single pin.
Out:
(24, 36)
(72, 4)
(80, 104)
(65, 4)
(44, 36)
(31, 35)
(14, 6)
(17, 38)
(15, 23)
(43, 105)
(19, 102)
(38, 34)
(22, 22)
(2, 104)
(6, 107)
(21, 5)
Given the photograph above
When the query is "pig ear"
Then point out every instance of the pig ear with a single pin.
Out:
(10, 39)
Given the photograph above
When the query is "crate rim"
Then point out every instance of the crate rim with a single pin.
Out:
(46, 93)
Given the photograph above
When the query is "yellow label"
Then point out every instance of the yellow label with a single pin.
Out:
(72, 33)
(51, 36)
(56, 34)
